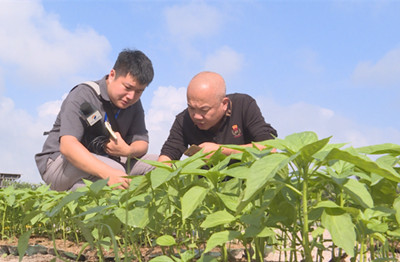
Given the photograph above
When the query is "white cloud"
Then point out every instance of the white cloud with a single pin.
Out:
(189, 25)
(193, 20)
(166, 103)
(50, 109)
(21, 137)
(384, 73)
(40, 49)
(225, 61)
(2, 86)
(324, 122)
(37, 51)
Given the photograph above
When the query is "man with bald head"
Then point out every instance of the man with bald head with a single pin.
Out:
(213, 118)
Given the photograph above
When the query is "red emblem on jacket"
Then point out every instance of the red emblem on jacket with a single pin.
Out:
(236, 132)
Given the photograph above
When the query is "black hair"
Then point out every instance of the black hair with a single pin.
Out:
(135, 63)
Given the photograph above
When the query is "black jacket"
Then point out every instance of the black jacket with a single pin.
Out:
(245, 125)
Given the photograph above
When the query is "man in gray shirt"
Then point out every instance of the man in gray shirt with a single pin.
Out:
(79, 146)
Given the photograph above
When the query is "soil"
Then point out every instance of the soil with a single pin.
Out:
(44, 252)
(69, 251)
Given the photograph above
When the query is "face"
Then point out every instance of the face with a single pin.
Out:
(206, 113)
(123, 91)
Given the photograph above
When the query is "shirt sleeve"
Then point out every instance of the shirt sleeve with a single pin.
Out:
(137, 130)
(71, 121)
(255, 124)
(175, 145)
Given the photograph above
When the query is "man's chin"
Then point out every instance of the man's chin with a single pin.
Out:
(202, 127)
(124, 105)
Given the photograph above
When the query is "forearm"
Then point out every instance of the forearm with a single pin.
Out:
(230, 151)
(208, 147)
(163, 158)
(82, 159)
(138, 148)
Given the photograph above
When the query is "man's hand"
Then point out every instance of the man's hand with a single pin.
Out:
(82, 159)
(117, 147)
(118, 177)
(208, 147)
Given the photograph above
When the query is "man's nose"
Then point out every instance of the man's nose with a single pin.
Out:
(131, 95)
(197, 115)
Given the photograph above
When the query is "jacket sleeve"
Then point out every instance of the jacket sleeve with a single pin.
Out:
(175, 144)
(255, 124)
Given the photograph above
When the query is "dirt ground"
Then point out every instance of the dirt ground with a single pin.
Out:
(44, 252)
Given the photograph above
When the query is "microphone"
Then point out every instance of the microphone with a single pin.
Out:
(91, 115)
(96, 135)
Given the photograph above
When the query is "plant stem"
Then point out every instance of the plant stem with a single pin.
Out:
(306, 242)
(3, 222)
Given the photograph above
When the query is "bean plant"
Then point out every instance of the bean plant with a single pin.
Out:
(300, 195)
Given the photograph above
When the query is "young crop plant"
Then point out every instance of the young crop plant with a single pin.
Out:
(301, 196)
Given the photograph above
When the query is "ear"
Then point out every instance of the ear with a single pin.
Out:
(225, 103)
(111, 76)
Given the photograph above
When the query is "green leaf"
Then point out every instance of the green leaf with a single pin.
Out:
(218, 218)
(195, 164)
(365, 164)
(380, 149)
(220, 238)
(94, 210)
(162, 259)
(68, 198)
(255, 231)
(295, 142)
(310, 149)
(156, 164)
(327, 204)
(266, 232)
(229, 201)
(199, 172)
(158, 176)
(137, 217)
(396, 206)
(188, 255)
(97, 186)
(261, 172)
(85, 231)
(23, 242)
(166, 241)
(358, 193)
(241, 172)
(377, 226)
(341, 228)
(191, 200)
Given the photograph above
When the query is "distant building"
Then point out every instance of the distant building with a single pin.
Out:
(5, 177)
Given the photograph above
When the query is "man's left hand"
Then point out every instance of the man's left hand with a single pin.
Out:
(117, 147)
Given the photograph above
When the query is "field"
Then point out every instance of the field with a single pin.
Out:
(309, 200)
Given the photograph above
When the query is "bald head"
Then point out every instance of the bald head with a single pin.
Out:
(207, 84)
(207, 101)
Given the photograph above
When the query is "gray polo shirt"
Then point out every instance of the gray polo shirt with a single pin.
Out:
(70, 121)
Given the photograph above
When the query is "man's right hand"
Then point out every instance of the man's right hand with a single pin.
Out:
(82, 159)
(118, 177)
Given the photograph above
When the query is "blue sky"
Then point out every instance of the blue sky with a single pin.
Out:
(331, 67)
